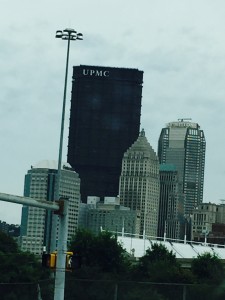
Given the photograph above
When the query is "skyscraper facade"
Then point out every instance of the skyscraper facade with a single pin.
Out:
(171, 204)
(139, 183)
(104, 122)
(110, 216)
(183, 144)
(40, 183)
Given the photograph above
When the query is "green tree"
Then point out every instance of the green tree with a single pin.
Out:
(19, 272)
(208, 268)
(160, 265)
(101, 251)
(109, 255)
(7, 244)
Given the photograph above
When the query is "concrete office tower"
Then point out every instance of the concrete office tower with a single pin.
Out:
(183, 144)
(139, 183)
(171, 221)
(104, 122)
(110, 216)
(40, 183)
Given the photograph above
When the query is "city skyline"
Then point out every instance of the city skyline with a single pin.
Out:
(178, 45)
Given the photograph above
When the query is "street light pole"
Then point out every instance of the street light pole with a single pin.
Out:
(151, 214)
(69, 35)
(185, 232)
(165, 223)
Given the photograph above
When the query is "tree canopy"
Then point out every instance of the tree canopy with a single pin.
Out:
(7, 244)
(102, 250)
(160, 265)
(208, 268)
(20, 272)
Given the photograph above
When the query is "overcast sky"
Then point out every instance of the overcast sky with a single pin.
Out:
(179, 44)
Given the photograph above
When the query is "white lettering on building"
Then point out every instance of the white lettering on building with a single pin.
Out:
(182, 124)
(97, 73)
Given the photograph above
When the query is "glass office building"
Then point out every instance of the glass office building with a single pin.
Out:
(104, 122)
(182, 143)
(171, 204)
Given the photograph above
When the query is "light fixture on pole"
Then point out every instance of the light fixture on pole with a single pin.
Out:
(68, 35)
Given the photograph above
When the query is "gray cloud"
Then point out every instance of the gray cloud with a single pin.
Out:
(178, 44)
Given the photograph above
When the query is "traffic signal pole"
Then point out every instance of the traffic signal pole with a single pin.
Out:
(61, 253)
(29, 201)
(61, 209)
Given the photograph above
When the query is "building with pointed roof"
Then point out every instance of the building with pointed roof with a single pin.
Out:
(140, 183)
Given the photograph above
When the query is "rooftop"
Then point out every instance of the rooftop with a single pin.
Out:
(189, 250)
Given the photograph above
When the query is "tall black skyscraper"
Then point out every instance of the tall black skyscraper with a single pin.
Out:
(104, 122)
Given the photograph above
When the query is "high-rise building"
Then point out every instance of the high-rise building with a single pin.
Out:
(139, 183)
(171, 221)
(183, 144)
(104, 122)
(40, 183)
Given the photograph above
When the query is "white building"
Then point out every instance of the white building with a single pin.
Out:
(40, 183)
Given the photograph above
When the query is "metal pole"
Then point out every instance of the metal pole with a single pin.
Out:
(164, 231)
(205, 243)
(185, 232)
(29, 201)
(184, 292)
(61, 254)
(144, 227)
(57, 191)
(144, 236)
(123, 228)
(116, 292)
(62, 122)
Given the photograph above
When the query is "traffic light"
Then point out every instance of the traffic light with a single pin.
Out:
(73, 261)
(49, 260)
(60, 211)
(69, 256)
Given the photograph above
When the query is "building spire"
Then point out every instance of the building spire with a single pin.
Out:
(142, 133)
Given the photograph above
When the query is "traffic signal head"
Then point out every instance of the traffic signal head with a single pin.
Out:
(73, 261)
(49, 260)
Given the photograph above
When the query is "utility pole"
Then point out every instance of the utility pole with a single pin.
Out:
(61, 209)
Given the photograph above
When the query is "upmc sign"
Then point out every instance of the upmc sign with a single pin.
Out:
(107, 73)
(96, 73)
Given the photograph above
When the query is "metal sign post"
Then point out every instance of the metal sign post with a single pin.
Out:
(61, 253)
(61, 208)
